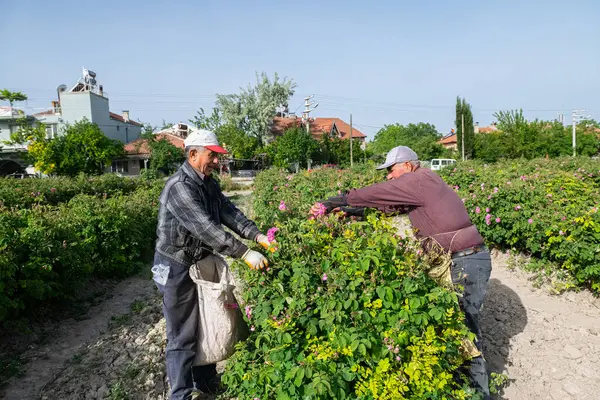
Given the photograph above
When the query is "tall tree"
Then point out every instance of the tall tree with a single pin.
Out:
(237, 143)
(164, 156)
(517, 137)
(422, 138)
(295, 145)
(337, 151)
(11, 97)
(166, 125)
(148, 129)
(210, 122)
(252, 110)
(463, 109)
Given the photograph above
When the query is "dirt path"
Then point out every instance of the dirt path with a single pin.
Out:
(49, 361)
(549, 346)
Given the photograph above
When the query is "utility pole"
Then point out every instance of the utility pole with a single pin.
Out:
(307, 110)
(462, 136)
(577, 117)
(351, 160)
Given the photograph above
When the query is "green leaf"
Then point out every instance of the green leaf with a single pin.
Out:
(414, 302)
(436, 313)
(347, 375)
(347, 304)
(299, 377)
(362, 349)
(365, 264)
(287, 338)
(289, 375)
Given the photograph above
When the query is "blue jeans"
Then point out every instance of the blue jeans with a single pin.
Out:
(180, 308)
(471, 273)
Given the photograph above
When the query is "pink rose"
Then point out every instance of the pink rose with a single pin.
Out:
(282, 206)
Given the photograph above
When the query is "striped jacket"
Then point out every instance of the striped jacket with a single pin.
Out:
(190, 218)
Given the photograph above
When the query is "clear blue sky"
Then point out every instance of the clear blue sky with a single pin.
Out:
(382, 61)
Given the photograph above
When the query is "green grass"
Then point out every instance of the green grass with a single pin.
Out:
(118, 392)
(137, 306)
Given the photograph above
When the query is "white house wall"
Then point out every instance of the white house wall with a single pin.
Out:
(76, 106)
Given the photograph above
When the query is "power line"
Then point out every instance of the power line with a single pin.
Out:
(326, 99)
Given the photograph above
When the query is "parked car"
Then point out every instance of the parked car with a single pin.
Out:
(19, 175)
(439, 163)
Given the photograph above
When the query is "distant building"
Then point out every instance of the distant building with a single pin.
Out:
(485, 129)
(451, 141)
(333, 127)
(9, 117)
(138, 153)
(86, 99)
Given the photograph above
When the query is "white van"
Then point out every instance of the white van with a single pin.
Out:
(439, 163)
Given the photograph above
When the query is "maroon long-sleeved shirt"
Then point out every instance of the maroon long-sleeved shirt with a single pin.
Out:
(433, 208)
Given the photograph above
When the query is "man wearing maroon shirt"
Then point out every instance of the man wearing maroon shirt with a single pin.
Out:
(435, 211)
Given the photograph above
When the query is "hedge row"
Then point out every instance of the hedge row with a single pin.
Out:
(25, 193)
(46, 252)
(345, 310)
(547, 208)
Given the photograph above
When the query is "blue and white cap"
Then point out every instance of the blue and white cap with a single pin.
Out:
(397, 155)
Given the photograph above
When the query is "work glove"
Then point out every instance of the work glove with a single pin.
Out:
(255, 260)
(358, 212)
(334, 202)
(263, 240)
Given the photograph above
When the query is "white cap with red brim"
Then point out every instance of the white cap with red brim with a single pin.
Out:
(204, 138)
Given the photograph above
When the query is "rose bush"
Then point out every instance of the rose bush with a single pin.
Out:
(546, 208)
(345, 309)
(25, 193)
(47, 252)
(277, 189)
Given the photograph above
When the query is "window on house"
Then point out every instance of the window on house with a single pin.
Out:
(118, 128)
(120, 166)
(51, 131)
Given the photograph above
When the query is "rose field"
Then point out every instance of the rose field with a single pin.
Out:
(345, 309)
(57, 233)
(545, 208)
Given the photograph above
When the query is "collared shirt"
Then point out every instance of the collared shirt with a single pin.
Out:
(192, 209)
(433, 208)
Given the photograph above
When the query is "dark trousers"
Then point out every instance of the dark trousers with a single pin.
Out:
(180, 308)
(471, 273)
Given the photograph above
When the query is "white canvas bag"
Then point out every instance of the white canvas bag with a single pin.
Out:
(221, 324)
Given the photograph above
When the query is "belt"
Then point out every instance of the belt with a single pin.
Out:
(469, 251)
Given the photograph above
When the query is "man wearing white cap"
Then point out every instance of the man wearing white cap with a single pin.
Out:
(435, 212)
(191, 214)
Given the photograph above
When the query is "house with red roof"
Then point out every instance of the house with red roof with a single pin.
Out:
(138, 153)
(333, 127)
(451, 141)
